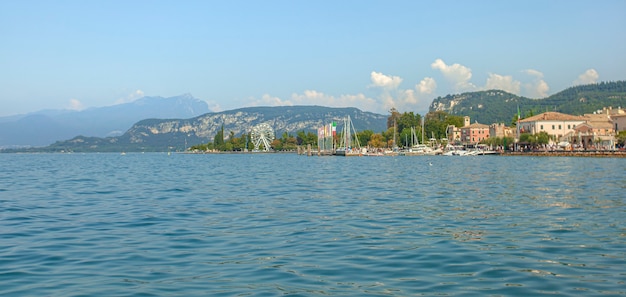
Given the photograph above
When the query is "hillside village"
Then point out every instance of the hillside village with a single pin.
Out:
(595, 131)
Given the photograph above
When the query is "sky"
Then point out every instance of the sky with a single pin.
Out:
(373, 55)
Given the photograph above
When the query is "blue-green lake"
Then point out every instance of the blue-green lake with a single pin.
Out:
(282, 224)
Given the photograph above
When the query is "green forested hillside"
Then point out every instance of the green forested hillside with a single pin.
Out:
(495, 106)
(586, 98)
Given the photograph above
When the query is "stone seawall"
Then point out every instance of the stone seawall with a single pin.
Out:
(607, 154)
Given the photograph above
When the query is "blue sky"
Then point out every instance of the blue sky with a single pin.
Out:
(373, 55)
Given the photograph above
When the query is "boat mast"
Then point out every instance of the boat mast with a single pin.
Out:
(394, 133)
(422, 130)
(346, 126)
(356, 138)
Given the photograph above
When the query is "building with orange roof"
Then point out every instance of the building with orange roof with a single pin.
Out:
(554, 123)
(473, 133)
(591, 131)
(597, 132)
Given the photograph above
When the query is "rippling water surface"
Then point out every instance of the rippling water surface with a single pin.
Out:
(278, 224)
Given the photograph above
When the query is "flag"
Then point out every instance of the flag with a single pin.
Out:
(519, 115)
(334, 129)
(327, 128)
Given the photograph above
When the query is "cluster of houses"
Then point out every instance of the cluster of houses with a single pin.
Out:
(589, 131)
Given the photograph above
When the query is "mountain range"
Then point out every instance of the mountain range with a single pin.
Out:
(178, 134)
(162, 124)
(45, 127)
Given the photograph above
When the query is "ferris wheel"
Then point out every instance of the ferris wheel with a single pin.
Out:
(262, 134)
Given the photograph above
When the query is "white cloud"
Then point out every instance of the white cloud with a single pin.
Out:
(130, 97)
(502, 82)
(538, 88)
(409, 97)
(215, 107)
(312, 97)
(541, 89)
(589, 77)
(404, 100)
(456, 73)
(268, 100)
(75, 104)
(533, 72)
(384, 81)
(426, 86)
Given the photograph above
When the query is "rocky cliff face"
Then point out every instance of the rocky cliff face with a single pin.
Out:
(487, 107)
(282, 119)
(177, 134)
(456, 104)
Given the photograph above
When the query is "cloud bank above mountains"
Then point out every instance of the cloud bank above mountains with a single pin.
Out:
(387, 91)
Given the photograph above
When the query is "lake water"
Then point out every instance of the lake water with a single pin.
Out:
(282, 224)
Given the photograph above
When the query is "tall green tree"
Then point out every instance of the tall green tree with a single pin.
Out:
(408, 120)
(542, 138)
(436, 123)
(388, 136)
(621, 138)
(218, 140)
(404, 137)
(394, 116)
(365, 136)
(304, 138)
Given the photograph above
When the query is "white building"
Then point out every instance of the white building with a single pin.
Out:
(556, 124)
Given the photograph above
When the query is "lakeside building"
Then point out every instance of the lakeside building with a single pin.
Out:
(589, 131)
(454, 134)
(474, 133)
(556, 124)
(617, 116)
(469, 133)
(500, 130)
(619, 122)
(598, 131)
(591, 136)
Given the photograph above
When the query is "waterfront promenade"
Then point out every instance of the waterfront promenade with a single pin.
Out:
(609, 154)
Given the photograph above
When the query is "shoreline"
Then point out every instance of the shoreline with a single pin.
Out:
(605, 154)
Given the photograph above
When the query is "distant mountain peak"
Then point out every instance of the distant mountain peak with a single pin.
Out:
(186, 96)
(43, 128)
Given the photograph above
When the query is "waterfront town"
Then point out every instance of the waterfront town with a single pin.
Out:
(595, 131)
(549, 132)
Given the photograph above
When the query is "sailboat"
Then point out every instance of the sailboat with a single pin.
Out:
(416, 148)
(349, 145)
